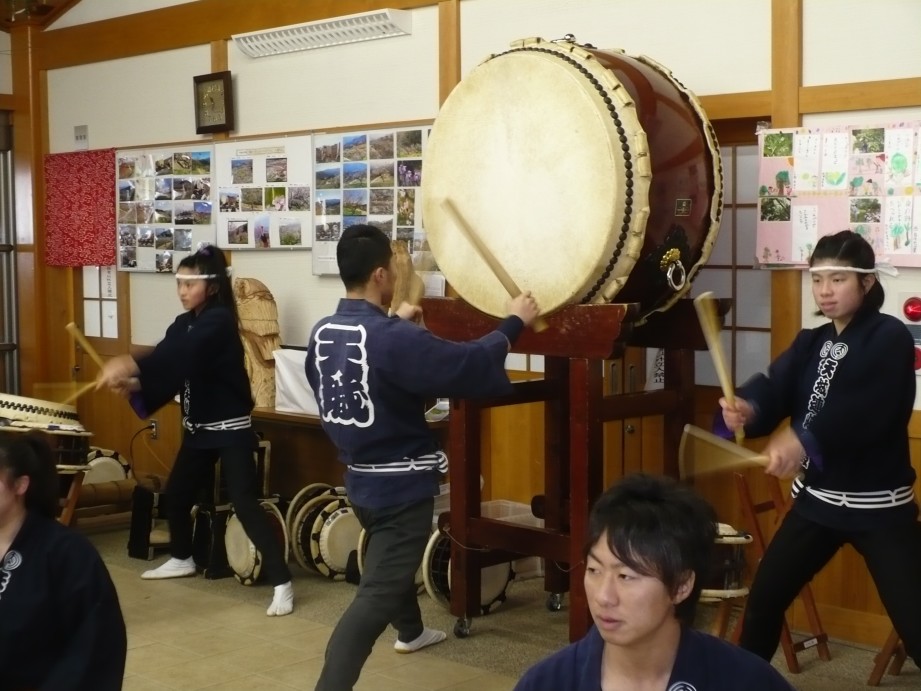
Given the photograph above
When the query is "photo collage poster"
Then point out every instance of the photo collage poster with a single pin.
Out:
(816, 181)
(164, 206)
(372, 177)
(263, 193)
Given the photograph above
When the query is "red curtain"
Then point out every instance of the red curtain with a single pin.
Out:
(80, 208)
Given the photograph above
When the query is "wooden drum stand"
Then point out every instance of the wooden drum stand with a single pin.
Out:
(578, 340)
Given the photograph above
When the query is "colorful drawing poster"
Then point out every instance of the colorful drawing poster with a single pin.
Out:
(165, 211)
(264, 190)
(866, 180)
(366, 177)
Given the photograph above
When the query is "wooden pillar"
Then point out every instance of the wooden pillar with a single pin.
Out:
(786, 79)
(449, 57)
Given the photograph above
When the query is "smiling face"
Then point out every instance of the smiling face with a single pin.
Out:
(839, 294)
(630, 609)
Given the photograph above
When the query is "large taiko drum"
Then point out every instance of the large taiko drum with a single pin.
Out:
(58, 421)
(588, 174)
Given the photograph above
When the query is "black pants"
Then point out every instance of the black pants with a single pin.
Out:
(801, 548)
(397, 536)
(192, 472)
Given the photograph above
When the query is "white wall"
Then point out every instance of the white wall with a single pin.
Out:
(712, 46)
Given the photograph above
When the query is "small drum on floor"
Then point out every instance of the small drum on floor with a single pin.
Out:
(436, 574)
(727, 565)
(302, 530)
(104, 465)
(244, 559)
(302, 497)
(333, 538)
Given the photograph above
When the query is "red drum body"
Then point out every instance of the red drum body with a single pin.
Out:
(589, 174)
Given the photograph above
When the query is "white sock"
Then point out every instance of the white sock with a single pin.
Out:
(426, 638)
(282, 601)
(172, 568)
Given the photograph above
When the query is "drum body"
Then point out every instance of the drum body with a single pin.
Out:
(727, 564)
(242, 556)
(590, 175)
(436, 575)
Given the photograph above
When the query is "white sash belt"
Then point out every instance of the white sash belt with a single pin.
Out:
(242, 422)
(883, 499)
(432, 461)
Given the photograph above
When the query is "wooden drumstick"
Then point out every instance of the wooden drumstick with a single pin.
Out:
(79, 392)
(489, 258)
(74, 331)
(705, 304)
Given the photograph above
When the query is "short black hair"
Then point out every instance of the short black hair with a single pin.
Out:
(658, 528)
(361, 249)
(30, 455)
(850, 249)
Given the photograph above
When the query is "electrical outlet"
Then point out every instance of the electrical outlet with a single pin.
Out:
(154, 429)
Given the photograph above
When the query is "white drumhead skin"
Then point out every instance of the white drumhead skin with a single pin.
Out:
(241, 553)
(334, 537)
(103, 469)
(526, 150)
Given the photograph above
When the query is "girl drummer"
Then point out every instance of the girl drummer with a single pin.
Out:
(61, 626)
(201, 357)
(848, 388)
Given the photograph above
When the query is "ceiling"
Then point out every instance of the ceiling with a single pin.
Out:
(38, 13)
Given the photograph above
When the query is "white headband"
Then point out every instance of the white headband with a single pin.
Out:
(192, 277)
(884, 268)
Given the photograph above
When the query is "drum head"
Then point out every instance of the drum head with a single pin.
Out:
(561, 159)
(104, 469)
(333, 538)
(301, 498)
(436, 575)
(535, 167)
(244, 559)
(302, 528)
(241, 552)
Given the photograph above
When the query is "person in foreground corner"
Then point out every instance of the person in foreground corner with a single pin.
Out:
(201, 358)
(371, 375)
(61, 626)
(848, 387)
(647, 553)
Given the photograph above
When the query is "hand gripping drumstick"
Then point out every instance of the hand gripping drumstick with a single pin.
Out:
(489, 258)
(705, 304)
(74, 331)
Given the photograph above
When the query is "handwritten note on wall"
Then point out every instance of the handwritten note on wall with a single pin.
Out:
(817, 181)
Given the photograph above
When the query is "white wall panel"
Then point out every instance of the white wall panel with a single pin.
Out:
(129, 102)
(387, 80)
(855, 41)
(87, 11)
(692, 39)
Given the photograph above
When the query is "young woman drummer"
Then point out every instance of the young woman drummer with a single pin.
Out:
(848, 388)
(201, 357)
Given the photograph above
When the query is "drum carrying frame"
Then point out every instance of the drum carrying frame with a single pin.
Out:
(577, 341)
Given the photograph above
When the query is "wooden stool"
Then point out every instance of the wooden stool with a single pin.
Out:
(892, 650)
(819, 638)
(725, 601)
(68, 503)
